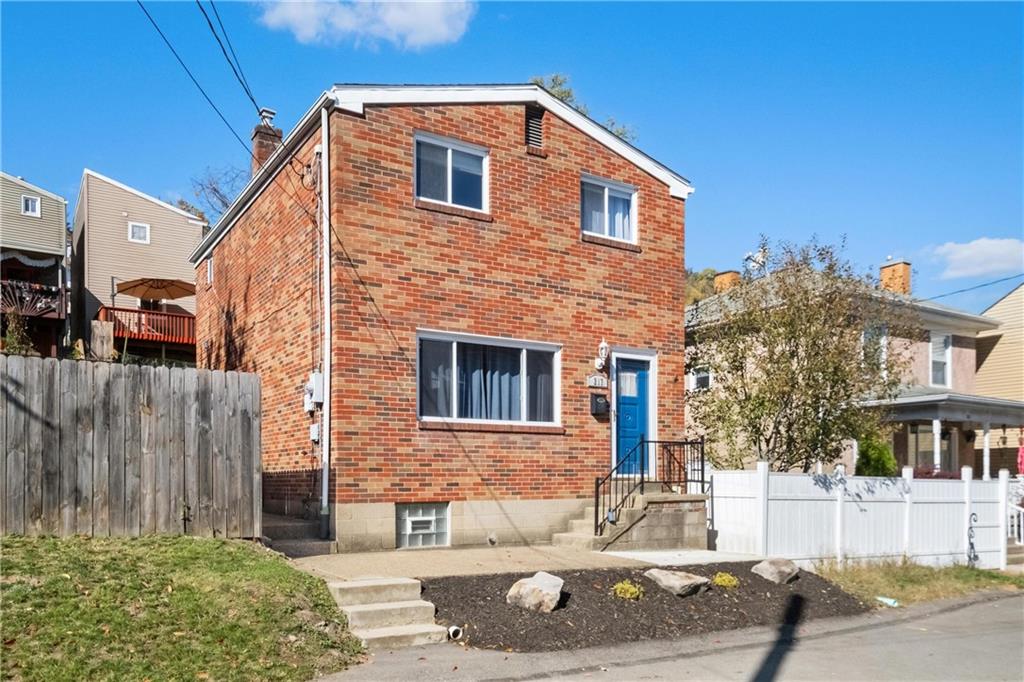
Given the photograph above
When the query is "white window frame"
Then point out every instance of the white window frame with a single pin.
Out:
(612, 186)
(691, 378)
(451, 144)
(502, 342)
(209, 270)
(135, 223)
(948, 359)
(650, 357)
(39, 206)
(883, 346)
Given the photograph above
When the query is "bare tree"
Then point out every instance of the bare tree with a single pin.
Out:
(216, 188)
(794, 352)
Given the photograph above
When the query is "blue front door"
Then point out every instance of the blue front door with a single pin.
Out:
(631, 410)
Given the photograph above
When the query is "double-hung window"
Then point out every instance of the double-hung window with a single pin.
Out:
(451, 172)
(940, 365)
(608, 209)
(875, 346)
(30, 206)
(486, 379)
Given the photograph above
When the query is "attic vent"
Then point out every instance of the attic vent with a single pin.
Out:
(535, 126)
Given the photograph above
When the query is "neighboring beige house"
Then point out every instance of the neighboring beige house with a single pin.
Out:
(941, 414)
(33, 244)
(121, 234)
(1000, 364)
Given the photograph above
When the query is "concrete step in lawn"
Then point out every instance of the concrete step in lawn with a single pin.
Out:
(387, 613)
(295, 549)
(1014, 554)
(278, 527)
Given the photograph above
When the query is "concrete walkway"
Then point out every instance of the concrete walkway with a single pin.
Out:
(684, 557)
(432, 563)
(978, 638)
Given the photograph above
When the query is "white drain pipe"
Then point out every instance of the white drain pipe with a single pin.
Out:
(325, 251)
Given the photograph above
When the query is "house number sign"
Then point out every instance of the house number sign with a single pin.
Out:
(597, 381)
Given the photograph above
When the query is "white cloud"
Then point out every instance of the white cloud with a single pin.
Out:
(409, 25)
(981, 257)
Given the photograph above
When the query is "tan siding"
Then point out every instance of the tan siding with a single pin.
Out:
(109, 253)
(1001, 351)
(44, 234)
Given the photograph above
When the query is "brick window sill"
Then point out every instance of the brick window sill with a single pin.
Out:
(454, 210)
(536, 151)
(492, 428)
(613, 243)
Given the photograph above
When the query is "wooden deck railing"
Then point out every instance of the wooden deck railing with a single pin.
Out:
(151, 325)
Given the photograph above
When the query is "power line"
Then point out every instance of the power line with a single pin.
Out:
(231, 47)
(245, 87)
(976, 286)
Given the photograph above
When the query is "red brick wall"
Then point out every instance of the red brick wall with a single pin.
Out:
(525, 274)
(261, 314)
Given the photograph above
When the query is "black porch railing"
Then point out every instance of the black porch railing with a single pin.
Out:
(678, 467)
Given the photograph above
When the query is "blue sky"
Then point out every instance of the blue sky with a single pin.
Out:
(898, 125)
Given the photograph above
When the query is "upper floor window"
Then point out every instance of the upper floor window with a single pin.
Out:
(138, 232)
(940, 364)
(698, 378)
(608, 209)
(486, 379)
(209, 270)
(451, 172)
(30, 206)
(875, 346)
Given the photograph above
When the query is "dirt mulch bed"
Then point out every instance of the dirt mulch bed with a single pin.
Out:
(592, 616)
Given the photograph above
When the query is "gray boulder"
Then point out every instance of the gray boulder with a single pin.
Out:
(779, 571)
(542, 592)
(677, 582)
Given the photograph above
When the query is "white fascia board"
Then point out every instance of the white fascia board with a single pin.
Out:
(35, 189)
(356, 98)
(955, 321)
(141, 195)
(266, 175)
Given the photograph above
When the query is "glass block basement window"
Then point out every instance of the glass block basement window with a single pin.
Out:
(421, 525)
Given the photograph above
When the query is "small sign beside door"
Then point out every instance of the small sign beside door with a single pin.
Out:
(597, 381)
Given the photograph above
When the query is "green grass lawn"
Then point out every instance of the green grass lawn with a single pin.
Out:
(163, 608)
(909, 583)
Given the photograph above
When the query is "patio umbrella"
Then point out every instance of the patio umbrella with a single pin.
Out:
(152, 289)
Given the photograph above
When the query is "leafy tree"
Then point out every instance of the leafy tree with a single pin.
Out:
(699, 284)
(875, 458)
(16, 339)
(558, 85)
(795, 351)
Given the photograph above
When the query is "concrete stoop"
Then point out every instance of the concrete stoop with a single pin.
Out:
(651, 521)
(295, 537)
(1014, 554)
(387, 613)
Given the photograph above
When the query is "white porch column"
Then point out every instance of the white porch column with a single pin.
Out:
(936, 444)
(855, 449)
(986, 452)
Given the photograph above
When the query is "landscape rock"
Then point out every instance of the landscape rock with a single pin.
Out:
(678, 583)
(779, 571)
(541, 592)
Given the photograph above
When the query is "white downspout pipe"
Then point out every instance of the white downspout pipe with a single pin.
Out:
(325, 268)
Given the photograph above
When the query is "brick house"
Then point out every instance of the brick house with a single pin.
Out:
(484, 244)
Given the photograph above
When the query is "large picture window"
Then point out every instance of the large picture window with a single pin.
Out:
(487, 379)
(608, 209)
(451, 172)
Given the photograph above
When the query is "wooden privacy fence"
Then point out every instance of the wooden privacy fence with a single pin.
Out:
(95, 448)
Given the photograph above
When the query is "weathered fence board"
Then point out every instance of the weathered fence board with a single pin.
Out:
(106, 449)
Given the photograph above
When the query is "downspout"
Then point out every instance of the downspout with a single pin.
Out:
(325, 268)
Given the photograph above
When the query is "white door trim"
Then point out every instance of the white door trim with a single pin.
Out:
(651, 357)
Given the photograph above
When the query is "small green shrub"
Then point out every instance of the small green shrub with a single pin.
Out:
(874, 458)
(726, 580)
(627, 589)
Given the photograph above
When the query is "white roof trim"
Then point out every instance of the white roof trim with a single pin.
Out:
(34, 188)
(141, 195)
(355, 98)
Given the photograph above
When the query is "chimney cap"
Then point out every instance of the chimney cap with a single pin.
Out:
(267, 116)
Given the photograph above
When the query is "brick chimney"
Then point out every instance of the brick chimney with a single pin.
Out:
(894, 276)
(726, 280)
(265, 139)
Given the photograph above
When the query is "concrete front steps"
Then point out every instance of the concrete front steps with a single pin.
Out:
(653, 520)
(387, 613)
(295, 537)
(1014, 554)
(581, 531)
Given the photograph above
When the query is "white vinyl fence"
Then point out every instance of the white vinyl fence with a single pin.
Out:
(813, 517)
